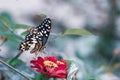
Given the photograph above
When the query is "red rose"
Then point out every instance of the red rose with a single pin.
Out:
(50, 66)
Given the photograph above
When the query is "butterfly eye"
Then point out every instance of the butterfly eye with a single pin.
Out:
(37, 35)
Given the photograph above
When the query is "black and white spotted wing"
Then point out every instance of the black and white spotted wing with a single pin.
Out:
(44, 30)
(37, 37)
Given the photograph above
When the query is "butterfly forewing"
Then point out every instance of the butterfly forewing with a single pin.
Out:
(37, 36)
(44, 31)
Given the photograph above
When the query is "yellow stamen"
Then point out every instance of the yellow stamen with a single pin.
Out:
(59, 62)
(50, 64)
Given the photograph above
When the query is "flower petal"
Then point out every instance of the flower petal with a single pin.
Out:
(50, 66)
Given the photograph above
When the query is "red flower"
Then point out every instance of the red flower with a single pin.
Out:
(50, 66)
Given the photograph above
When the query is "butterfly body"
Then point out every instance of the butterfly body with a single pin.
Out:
(37, 37)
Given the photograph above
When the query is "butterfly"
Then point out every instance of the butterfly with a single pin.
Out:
(37, 37)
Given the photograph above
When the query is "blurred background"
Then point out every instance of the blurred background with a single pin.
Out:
(97, 56)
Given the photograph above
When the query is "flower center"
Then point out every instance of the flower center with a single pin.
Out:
(50, 64)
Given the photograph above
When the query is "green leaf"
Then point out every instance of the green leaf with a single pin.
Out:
(68, 62)
(20, 26)
(38, 77)
(8, 16)
(41, 77)
(15, 62)
(5, 21)
(3, 28)
(81, 32)
(13, 37)
(24, 33)
(42, 15)
(13, 41)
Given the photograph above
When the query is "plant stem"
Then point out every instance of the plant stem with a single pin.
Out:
(20, 52)
(45, 77)
(1, 61)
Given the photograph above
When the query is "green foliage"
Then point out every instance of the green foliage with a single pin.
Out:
(38, 77)
(13, 37)
(3, 28)
(4, 19)
(4, 24)
(15, 62)
(80, 32)
(68, 62)
(42, 15)
(8, 29)
(24, 33)
(20, 26)
(8, 16)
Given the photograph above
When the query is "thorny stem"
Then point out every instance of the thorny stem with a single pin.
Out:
(27, 78)
(20, 52)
